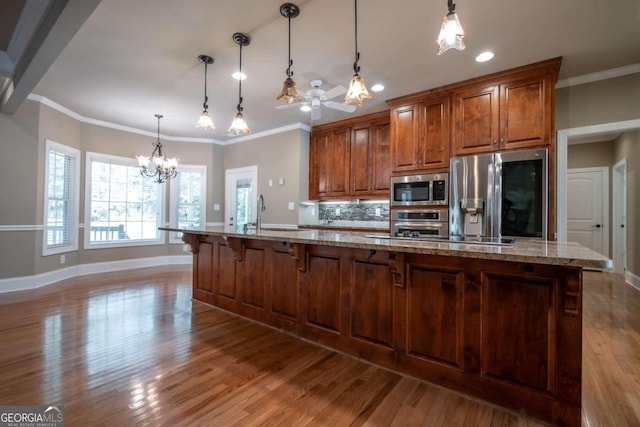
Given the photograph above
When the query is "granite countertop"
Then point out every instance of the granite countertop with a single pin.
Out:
(533, 251)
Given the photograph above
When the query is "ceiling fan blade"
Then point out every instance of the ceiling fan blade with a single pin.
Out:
(285, 106)
(332, 93)
(315, 114)
(339, 106)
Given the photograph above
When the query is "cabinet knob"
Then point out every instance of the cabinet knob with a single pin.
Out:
(495, 141)
(502, 140)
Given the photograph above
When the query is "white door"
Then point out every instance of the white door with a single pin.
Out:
(240, 196)
(620, 216)
(588, 208)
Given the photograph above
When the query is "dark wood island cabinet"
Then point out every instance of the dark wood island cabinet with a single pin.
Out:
(503, 324)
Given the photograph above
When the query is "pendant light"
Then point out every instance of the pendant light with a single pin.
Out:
(239, 125)
(289, 92)
(162, 168)
(357, 92)
(205, 121)
(451, 34)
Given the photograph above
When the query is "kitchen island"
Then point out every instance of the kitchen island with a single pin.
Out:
(501, 323)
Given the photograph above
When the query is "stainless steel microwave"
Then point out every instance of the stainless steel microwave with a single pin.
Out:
(420, 190)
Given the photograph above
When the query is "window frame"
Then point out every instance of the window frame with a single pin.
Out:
(173, 205)
(121, 161)
(74, 221)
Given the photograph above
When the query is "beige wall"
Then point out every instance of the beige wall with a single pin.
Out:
(285, 155)
(18, 181)
(605, 101)
(24, 136)
(627, 146)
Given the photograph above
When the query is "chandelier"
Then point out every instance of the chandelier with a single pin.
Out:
(157, 165)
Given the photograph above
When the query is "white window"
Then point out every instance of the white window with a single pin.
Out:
(188, 199)
(62, 176)
(122, 208)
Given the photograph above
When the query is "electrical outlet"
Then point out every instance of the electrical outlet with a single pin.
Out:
(63, 259)
(216, 206)
(337, 211)
(291, 206)
(313, 212)
(185, 248)
(270, 183)
(378, 212)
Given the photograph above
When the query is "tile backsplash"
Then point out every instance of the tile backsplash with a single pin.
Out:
(362, 211)
(349, 214)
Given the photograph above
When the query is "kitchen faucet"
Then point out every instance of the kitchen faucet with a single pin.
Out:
(261, 208)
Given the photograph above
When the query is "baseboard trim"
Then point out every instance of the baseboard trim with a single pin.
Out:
(632, 279)
(24, 283)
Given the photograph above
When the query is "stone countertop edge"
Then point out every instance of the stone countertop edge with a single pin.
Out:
(531, 251)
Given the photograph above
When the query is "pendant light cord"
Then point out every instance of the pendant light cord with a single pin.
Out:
(206, 98)
(289, 72)
(356, 67)
(240, 81)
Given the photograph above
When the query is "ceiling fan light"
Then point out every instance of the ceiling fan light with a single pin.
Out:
(451, 34)
(239, 125)
(205, 121)
(289, 92)
(357, 92)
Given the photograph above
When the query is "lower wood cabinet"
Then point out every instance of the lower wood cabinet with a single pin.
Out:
(502, 331)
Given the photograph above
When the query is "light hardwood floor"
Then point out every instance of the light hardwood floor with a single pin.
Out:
(132, 349)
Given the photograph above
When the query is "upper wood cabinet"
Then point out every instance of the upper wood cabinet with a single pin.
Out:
(510, 109)
(329, 153)
(420, 135)
(350, 158)
(515, 113)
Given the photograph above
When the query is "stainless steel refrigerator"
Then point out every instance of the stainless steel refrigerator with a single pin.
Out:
(499, 195)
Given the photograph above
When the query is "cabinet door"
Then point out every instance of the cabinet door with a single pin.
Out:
(525, 112)
(380, 162)
(435, 133)
(314, 167)
(404, 138)
(321, 155)
(361, 155)
(336, 170)
(476, 120)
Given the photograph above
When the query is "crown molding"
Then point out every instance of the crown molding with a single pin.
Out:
(600, 75)
(274, 131)
(70, 113)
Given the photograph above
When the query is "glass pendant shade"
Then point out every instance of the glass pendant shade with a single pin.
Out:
(205, 121)
(451, 34)
(357, 92)
(289, 92)
(239, 125)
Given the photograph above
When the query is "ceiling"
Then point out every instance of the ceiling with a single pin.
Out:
(127, 60)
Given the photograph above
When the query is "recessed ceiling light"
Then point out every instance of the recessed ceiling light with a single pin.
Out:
(484, 56)
(239, 76)
(305, 108)
(378, 87)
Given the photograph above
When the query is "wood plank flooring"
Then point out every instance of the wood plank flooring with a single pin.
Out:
(132, 349)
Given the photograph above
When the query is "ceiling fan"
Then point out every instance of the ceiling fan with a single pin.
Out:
(315, 97)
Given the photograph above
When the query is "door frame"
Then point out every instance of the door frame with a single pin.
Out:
(231, 176)
(606, 225)
(562, 142)
(619, 218)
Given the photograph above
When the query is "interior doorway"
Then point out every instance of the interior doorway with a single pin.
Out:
(588, 208)
(619, 217)
(240, 196)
